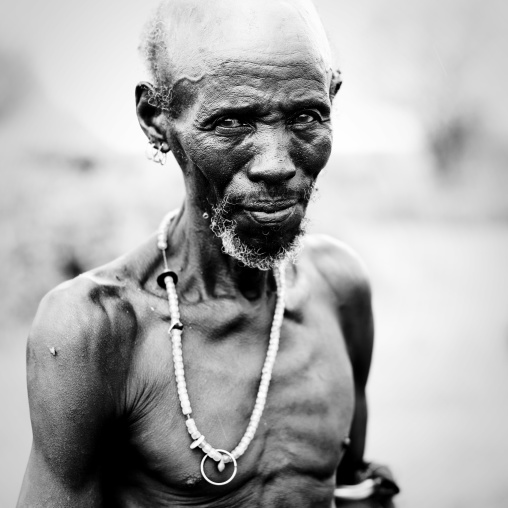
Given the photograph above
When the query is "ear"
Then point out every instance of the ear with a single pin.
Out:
(151, 117)
(335, 84)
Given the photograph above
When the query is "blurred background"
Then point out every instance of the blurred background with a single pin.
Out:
(417, 184)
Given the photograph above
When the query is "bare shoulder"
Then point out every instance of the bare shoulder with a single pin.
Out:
(78, 356)
(76, 365)
(340, 266)
(342, 270)
(80, 346)
(76, 315)
(92, 316)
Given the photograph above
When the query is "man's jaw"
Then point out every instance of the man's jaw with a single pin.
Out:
(278, 228)
(253, 257)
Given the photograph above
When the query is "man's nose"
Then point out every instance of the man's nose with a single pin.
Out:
(273, 163)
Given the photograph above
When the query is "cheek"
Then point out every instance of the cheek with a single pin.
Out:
(218, 159)
(310, 151)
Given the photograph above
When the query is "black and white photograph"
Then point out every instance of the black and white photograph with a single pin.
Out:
(254, 253)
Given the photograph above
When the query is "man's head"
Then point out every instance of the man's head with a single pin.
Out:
(242, 97)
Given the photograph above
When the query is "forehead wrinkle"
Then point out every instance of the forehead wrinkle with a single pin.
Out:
(230, 68)
(241, 75)
(294, 66)
(259, 103)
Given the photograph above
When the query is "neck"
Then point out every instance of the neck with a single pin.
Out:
(204, 271)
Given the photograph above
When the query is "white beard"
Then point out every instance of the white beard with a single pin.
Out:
(251, 257)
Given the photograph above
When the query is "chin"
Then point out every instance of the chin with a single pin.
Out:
(260, 235)
(270, 239)
(269, 232)
(262, 247)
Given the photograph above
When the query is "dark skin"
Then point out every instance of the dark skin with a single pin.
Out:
(107, 425)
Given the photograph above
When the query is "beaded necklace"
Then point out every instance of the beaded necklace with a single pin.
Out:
(167, 280)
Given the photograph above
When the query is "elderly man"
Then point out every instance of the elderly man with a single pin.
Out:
(203, 368)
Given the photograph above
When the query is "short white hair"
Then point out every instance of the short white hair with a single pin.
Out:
(166, 34)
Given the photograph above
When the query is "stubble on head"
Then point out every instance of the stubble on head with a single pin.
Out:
(184, 40)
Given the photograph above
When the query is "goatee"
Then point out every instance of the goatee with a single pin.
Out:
(225, 228)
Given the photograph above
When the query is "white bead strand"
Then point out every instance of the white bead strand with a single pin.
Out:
(175, 332)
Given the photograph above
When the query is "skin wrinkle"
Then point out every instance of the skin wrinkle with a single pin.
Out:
(307, 100)
(236, 61)
(171, 92)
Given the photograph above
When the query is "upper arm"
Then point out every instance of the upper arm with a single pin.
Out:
(350, 284)
(70, 403)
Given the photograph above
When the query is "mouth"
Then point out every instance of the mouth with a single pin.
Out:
(271, 212)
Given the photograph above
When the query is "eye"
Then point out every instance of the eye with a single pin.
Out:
(306, 117)
(231, 126)
(230, 123)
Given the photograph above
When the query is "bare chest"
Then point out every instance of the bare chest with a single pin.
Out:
(307, 415)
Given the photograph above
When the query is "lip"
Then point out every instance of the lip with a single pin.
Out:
(271, 212)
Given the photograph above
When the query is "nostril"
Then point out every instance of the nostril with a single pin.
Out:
(272, 173)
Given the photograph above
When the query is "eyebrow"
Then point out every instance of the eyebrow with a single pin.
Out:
(314, 101)
(248, 108)
(235, 109)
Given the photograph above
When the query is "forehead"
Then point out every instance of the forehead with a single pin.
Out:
(262, 84)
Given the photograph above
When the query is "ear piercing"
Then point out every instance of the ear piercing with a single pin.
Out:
(154, 153)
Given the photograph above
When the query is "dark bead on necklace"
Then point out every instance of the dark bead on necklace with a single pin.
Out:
(176, 326)
(162, 277)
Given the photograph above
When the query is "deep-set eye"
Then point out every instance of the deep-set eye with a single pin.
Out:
(231, 126)
(305, 118)
(230, 123)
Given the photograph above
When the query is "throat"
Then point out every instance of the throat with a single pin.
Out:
(255, 284)
(204, 270)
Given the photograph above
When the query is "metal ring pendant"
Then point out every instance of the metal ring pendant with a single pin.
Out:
(218, 483)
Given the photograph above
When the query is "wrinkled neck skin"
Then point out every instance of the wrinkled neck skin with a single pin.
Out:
(204, 271)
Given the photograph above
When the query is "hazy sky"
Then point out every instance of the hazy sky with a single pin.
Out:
(85, 55)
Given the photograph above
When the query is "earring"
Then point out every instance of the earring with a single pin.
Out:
(154, 153)
(150, 150)
(160, 157)
(205, 216)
